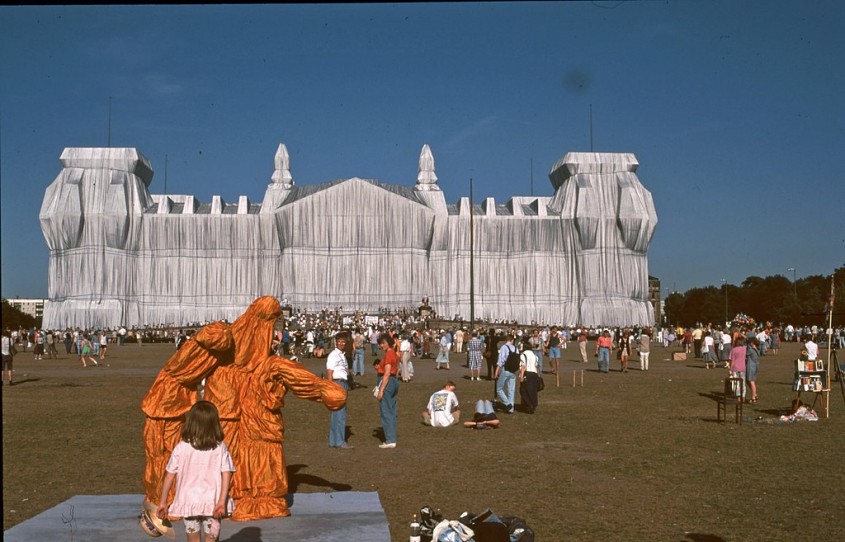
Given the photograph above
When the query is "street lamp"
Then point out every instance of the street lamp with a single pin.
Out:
(725, 285)
(794, 287)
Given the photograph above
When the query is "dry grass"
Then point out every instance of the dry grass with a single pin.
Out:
(629, 456)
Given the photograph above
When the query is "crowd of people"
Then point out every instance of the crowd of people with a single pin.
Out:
(516, 358)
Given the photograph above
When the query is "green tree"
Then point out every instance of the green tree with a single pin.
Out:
(14, 318)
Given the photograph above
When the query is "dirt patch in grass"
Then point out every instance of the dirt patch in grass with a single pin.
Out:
(633, 456)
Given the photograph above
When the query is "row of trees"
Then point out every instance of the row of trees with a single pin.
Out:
(773, 299)
(13, 318)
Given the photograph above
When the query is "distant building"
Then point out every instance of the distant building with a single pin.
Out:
(654, 298)
(32, 307)
(121, 255)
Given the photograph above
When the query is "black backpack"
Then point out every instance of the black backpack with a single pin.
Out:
(512, 363)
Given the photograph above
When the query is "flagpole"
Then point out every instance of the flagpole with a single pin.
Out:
(471, 260)
(830, 327)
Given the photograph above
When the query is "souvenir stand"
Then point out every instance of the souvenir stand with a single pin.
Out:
(814, 376)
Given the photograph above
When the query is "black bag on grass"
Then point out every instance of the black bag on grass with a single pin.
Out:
(518, 530)
(489, 528)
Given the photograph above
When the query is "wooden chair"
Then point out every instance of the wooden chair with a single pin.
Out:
(734, 394)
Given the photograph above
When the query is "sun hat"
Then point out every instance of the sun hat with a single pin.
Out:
(152, 524)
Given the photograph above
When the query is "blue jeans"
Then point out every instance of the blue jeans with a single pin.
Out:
(358, 361)
(604, 359)
(374, 348)
(483, 407)
(505, 387)
(337, 427)
(539, 353)
(387, 409)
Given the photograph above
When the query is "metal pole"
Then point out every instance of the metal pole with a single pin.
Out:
(109, 140)
(794, 287)
(532, 177)
(830, 302)
(725, 286)
(471, 260)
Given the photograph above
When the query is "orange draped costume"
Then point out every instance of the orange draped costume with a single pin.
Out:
(247, 385)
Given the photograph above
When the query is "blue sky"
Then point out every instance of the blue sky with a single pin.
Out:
(735, 110)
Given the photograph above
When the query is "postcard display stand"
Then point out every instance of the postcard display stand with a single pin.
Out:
(811, 377)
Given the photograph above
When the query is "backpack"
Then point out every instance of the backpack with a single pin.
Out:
(512, 363)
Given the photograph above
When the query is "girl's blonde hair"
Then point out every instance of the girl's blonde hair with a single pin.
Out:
(202, 426)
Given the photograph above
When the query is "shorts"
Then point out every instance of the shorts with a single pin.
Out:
(7, 362)
(554, 352)
(210, 526)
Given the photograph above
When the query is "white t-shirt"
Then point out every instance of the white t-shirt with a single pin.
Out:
(440, 407)
(405, 346)
(336, 362)
(7, 346)
(528, 359)
(708, 344)
(812, 350)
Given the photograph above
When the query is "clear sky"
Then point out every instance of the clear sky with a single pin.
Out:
(734, 109)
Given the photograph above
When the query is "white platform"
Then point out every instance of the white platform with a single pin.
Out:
(340, 516)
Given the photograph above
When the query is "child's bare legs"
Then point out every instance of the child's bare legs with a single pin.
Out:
(194, 527)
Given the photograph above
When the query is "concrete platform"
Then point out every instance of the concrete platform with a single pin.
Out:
(339, 516)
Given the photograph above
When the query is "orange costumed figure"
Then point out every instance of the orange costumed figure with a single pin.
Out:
(174, 392)
(260, 481)
(246, 384)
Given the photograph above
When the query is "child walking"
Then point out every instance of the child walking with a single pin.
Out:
(202, 468)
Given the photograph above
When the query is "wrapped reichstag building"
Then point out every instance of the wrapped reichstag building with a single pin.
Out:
(121, 255)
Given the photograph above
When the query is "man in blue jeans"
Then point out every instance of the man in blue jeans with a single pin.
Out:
(337, 371)
(358, 353)
(505, 380)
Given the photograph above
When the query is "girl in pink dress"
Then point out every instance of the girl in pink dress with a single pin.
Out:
(202, 469)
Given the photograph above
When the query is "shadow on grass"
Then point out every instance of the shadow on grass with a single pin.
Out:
(714, 396)
(295, 478)
(699, 537)
(24, 381)
(247, 534)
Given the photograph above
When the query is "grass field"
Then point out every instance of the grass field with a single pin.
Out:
(633, 456)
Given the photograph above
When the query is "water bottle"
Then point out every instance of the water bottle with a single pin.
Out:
(415, 530)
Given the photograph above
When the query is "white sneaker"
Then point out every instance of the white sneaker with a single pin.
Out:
(387, 445)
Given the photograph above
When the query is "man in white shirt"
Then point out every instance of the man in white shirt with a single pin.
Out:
(763, 339)
(337, 371)
(405, 358)
(459, 340)
(812, 349)
(442, 409)
(726, 340)
(8, 352)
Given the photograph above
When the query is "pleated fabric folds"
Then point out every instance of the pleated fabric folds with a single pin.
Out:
(122, 256)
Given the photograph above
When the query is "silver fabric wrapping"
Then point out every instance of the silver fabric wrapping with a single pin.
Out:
(120, 255)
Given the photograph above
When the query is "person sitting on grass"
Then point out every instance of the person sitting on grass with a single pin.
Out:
(484, 417)
(442, 409)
